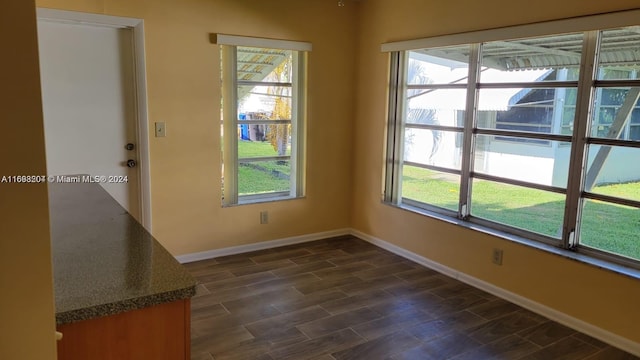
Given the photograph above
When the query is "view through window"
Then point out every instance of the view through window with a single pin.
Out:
(519, 136)
(263, 123)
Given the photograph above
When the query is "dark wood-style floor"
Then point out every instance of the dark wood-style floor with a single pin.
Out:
(343, 298)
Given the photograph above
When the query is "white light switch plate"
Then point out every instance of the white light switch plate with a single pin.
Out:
(161, 131)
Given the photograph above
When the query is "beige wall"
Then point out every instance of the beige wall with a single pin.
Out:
(184, 91)
(595, 296)
(26, 292)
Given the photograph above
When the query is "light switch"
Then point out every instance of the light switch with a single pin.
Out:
(161, 131)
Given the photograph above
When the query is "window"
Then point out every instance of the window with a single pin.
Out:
(263, 119)
(518, 135)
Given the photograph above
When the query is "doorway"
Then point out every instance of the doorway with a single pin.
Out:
(94, 103)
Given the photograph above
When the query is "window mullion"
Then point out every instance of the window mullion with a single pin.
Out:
(577, 162)
(264, 83)
(469, 124)
(230, 124)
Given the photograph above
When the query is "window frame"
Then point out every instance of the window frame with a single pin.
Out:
(579, 139)
(230, 118)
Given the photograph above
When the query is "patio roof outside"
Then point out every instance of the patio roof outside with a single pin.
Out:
(620, 48)
(525, 60)
(255, 64)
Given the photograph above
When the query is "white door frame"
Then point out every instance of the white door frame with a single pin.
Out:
(142, 126)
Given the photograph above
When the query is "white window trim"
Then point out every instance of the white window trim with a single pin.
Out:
(234, 40)
(230, 116)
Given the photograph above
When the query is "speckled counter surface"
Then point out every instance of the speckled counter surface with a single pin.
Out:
(104, 261)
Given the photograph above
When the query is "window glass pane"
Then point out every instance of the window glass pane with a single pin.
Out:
(614, 171)
(252, 149)
(619, 58)
(448, 65)
(264, 102)
(258, 177)
(436, 107)
(529, 209)
(619, 236)
(616, 114)
(431, 187)
(260, 64)
(551, 58)
(539, 110)
(263, 140)
(433, 147)
(522, 159)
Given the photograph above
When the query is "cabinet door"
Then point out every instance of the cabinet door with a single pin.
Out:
(155, 333)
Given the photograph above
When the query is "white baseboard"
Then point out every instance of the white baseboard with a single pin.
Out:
(205, 255)
(555, 315)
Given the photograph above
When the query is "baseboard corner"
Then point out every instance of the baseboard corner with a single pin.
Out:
(210, 254)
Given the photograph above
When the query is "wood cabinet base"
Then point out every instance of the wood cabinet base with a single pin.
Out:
(157, 332)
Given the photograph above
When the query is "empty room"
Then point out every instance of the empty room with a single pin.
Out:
(320, 179)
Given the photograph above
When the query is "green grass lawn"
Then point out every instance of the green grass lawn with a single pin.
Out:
(255, 149)
(605, 226)
(263, 176)
(628, 191)
(257, 179)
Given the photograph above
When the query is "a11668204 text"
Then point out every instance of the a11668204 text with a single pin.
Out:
(64, 179)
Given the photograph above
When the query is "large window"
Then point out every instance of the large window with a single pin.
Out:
(537, 136)
(263, 113)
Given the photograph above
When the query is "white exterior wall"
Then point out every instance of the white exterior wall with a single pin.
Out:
(540, 164)
(622, 165)
(518, 161)
(419, 143)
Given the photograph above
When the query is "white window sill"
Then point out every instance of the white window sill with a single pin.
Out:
(262, 200)
(590, 260)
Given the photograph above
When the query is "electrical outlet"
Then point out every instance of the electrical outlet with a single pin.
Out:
(264, 217)
(497, 256)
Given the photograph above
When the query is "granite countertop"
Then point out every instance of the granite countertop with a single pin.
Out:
(104, 261)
